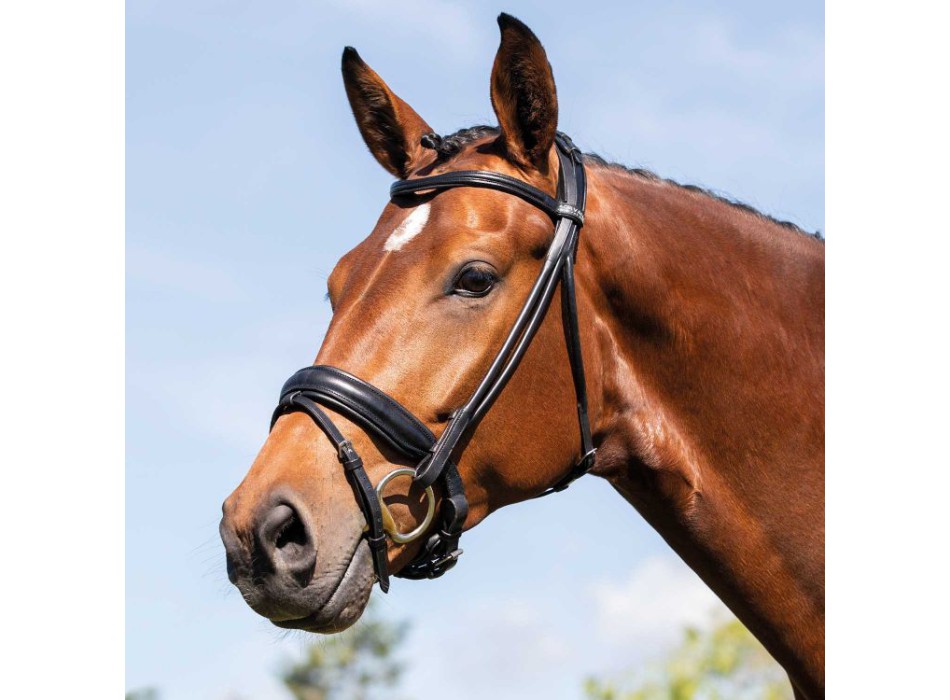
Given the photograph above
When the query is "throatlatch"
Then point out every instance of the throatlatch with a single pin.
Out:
(382, 416)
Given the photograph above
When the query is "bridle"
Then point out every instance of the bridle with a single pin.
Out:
(382, 416)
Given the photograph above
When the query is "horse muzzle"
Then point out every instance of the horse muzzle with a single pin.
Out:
(272, 560)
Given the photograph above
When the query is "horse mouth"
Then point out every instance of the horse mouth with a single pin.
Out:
(346, 602)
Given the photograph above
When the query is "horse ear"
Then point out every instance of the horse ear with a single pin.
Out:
(389, 126)
(523, 95)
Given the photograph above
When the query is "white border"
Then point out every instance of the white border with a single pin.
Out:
(61, 289)
(888, 349)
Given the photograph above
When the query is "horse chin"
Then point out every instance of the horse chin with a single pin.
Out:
(347, 599)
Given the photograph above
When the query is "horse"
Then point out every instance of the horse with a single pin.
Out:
(690, 351)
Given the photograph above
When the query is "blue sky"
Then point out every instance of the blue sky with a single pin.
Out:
(247, 180)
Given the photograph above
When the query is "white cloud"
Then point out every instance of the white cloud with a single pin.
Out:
(542, 642)
(503, 648)
(516, 638)
(533, 643)
(653, 604)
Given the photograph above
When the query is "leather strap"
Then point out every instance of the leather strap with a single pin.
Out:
(355, 474)
(489, 180)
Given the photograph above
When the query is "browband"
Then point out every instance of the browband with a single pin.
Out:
(493, 181)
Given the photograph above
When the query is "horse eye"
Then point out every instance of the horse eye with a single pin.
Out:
(474, 281)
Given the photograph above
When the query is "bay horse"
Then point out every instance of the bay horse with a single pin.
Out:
(699, 330)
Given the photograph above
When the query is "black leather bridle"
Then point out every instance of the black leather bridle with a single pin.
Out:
(379, 414)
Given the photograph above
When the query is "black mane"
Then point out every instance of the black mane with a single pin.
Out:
(446, 147)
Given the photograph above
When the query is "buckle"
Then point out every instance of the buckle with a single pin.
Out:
(346, 454)
(587, 461)
(568, 143)
(440, 565)
(580, 469)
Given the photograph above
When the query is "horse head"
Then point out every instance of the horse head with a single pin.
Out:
(420, 310)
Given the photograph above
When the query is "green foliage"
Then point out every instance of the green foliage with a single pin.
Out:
(726, 662)
(142, 694)
(352, 665)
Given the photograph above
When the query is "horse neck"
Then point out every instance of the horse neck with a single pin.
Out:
(708, 330)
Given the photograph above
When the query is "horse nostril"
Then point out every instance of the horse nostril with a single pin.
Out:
(286, 540)
(292, 537)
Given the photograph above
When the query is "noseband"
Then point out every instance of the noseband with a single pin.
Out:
(383, 417)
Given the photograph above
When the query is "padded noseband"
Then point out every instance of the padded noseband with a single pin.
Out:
(362, 403)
